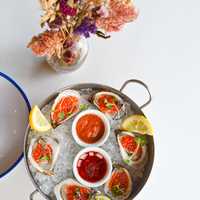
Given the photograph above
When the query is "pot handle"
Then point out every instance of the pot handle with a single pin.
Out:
(141, 83)
(33, 194)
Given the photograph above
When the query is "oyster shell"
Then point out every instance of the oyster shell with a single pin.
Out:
(108, 103)
(119, 186)
(71, 189)
(132, 147)
(43, 153)
(65, 106)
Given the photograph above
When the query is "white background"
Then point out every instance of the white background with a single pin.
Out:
(161, 48)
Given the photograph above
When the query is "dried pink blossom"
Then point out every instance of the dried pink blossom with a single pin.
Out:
(120, 12)
(46, 43)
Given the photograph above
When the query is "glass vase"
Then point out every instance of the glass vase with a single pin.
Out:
(72, 59)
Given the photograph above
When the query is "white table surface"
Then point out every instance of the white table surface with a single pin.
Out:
(162, 48)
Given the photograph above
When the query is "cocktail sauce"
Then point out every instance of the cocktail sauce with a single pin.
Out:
(92, 166)
(90, 128)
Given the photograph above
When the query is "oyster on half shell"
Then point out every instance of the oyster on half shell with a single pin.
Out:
(132, 147)
(119, 186)
(65, 106)
(108, 103)
(43, 153)
(71, 190)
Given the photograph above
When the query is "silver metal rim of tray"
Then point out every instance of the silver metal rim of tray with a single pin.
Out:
(137, 108)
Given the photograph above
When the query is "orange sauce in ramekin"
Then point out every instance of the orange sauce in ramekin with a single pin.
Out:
(90, 128)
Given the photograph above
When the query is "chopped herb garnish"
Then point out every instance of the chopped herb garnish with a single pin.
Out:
(141, 140)
(45, 158)
(61, 115)
(83, 107)
(116, 190)
(127, 161)
(109, 105)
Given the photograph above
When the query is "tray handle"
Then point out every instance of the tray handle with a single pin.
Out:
(141, 83)
(33, 194)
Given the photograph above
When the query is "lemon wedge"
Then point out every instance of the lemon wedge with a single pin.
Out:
(138, 124)
(101, 197)
(37, 120)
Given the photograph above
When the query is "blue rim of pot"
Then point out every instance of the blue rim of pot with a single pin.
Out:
(16, 85)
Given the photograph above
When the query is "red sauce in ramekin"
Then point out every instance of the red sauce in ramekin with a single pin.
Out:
(92, 166)
(90, 128)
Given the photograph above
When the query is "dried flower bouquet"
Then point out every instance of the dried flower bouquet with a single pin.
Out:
(68, 20)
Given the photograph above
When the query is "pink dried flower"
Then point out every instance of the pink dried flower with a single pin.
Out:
(120, 12)
(46, 43)
(70, 57)
(65, 9)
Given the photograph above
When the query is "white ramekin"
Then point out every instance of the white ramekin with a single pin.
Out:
(105, 136)
(109, 167)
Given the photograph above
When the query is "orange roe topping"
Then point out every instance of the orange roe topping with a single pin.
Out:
(108, 103)
(64, 108)
(74, 192)
(129, 144)
(42, 152)
(119, 179)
